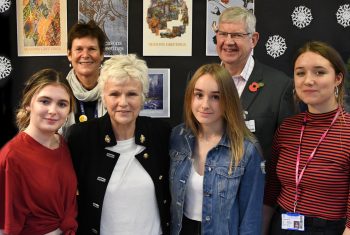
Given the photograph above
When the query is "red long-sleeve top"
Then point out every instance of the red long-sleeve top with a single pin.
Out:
(324, 187)
(37, 188)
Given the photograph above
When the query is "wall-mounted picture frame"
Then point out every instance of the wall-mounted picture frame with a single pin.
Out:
(167, 28)
(41, 28)
(157, 103)
(112, 17)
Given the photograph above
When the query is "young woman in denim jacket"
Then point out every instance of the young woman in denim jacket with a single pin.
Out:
(216, 180)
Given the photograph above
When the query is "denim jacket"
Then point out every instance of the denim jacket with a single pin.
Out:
(232, 204)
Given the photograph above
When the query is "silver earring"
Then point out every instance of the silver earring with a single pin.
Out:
(336, 92)
(70, 65)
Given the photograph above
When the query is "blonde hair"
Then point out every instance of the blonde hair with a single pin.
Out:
(235, 127)
(123, 67)
(35, 84)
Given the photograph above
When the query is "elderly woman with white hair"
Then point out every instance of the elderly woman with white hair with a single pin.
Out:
(121, 159)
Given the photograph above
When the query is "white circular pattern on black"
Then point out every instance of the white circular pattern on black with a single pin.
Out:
(301, 16)
(343, 15)
(5, 67)
(4, 5)
(276, 46)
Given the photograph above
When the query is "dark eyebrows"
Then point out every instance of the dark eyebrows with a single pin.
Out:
(314, 67)
(200, 90)
(45, 97)
(319, 67)
(49, 98)
(62, 100)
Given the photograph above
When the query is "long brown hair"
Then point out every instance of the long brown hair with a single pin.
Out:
(230, 105)
(36, 83)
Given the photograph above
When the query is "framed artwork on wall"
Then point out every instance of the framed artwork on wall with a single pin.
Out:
(167, 28)
(112, 17)
(214, 9)
(157, 103)
(41, 27)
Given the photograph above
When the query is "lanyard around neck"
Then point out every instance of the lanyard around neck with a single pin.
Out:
(83, 116)
(298, 176)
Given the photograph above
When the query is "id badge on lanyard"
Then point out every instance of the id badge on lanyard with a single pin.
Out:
(293, 221)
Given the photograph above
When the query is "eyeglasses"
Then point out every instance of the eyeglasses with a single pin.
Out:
(235, 36)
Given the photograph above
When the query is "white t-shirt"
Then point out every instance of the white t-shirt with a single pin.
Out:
(194, 196)
(130, 204)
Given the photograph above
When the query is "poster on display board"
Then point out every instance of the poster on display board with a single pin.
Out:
(214, 9)
(41, 27)
(112, 17)
(167, 28)
(157, 103)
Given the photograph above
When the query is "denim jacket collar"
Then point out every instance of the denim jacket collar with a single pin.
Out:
(191, 138)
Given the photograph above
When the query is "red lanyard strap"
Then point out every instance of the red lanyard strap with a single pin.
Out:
(298, 176)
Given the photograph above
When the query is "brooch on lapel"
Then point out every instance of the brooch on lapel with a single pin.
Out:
(107, 139)
(255, 86)
(142, 139)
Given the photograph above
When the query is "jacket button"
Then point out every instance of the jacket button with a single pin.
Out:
(207, 218)
(209, 169)
(164, 201)
(145, 155)
(96, 205)
(160, 177)
(167, 224)
(101, 179)
(94, 231)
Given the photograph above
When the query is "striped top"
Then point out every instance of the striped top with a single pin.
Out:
(324, 187)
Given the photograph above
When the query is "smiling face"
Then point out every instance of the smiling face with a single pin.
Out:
(206, 102)
(48, 109)
(315, 81)
(235, 52)
(123, 100)
(86, 57)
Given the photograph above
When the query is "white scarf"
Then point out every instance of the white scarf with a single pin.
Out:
(83, 95)
(79, 91)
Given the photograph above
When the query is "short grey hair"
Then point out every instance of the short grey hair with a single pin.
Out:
(235, 14)
(123, 67)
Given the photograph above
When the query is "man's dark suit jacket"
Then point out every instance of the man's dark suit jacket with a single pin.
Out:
(269, 105)
(94, 165)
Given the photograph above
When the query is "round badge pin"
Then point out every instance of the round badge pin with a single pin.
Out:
(83, 118)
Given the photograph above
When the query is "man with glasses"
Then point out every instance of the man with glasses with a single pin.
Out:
(265, 93)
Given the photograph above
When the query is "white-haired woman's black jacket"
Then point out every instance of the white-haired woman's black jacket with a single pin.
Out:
(94, 165)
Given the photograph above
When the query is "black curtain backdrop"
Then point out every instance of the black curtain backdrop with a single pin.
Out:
(274, 20)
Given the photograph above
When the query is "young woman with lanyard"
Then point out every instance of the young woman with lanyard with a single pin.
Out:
(308, 175)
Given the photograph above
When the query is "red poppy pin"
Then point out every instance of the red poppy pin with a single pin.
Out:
(255, 86)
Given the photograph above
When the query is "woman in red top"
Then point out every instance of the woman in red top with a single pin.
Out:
(37, 181)
(309, 173)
